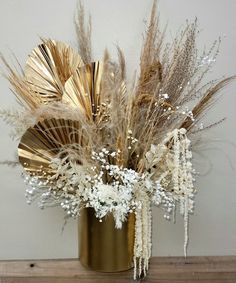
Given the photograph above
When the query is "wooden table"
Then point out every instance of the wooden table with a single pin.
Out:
(162, 270)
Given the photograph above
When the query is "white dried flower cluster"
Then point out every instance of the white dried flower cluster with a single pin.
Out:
(110, 188)
(185, 112)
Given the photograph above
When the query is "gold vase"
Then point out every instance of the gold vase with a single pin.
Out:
(102, 247)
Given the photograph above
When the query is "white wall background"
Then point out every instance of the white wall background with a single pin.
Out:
(26, 231)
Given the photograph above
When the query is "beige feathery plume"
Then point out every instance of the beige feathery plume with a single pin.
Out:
(205, 102)
(83, 33)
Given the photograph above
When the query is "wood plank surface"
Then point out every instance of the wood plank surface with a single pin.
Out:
(162, 270)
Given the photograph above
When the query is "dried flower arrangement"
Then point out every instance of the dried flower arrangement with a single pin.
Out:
(89, 140)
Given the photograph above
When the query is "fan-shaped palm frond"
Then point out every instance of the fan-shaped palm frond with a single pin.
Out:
(83, 89)
(49, 66)
(41, 143)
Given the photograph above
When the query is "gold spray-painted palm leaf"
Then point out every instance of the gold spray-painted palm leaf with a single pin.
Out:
(44, 141)
(83, 89)
(48, 68)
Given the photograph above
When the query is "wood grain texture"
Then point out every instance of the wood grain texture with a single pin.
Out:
(162, 270)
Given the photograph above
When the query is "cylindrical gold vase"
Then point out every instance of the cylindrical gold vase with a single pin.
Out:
(102, 247)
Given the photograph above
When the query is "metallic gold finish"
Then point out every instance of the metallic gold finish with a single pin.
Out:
(102, 247)
(83, 89)
(42, 142)
(49, 66)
